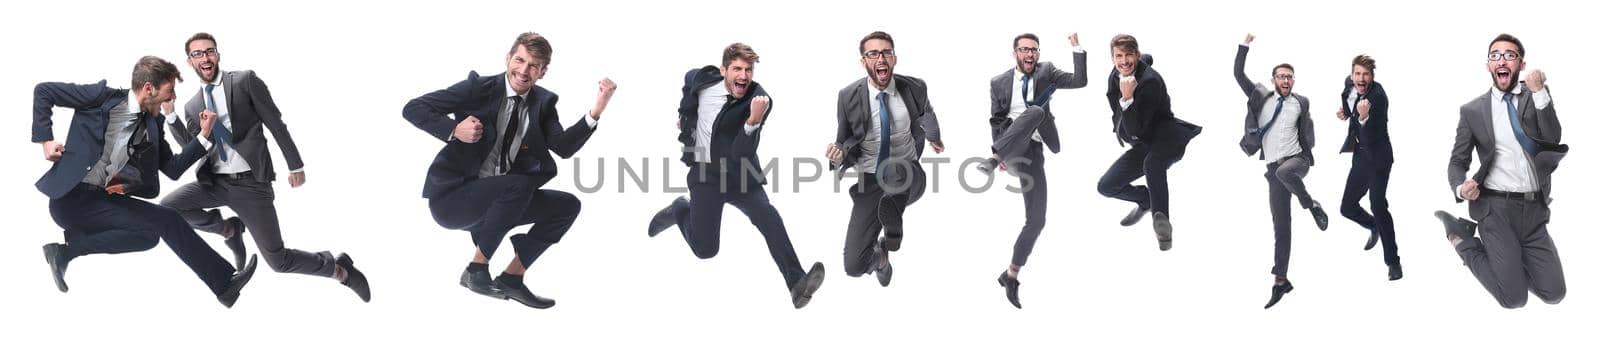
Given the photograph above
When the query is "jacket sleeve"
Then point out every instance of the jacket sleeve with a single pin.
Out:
(431, 111)
(47, 96)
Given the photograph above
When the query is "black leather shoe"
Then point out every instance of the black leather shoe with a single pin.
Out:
(666, 218)
(886, 271)
(1455, 226)
(1318, 215)
(1372, 241)
(515, 290)
(58, 265)
(1278, 291)
(1394, 272)
(353, 278)
(988, 166)
(236, 243)
(1163, 227)
(1134, 216)
(1011, 284)
(236, 283)
(479, 282)
(801, 292)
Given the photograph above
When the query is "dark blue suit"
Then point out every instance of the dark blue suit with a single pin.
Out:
(489, 207)
(1372, 158)
(733, 177)
(96, 222)
(1158, 139)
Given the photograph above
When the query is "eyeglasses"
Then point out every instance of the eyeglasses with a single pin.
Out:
(1028, 50)
(1283, 76)
(210, 52)
(1507, 56)
(875, 54)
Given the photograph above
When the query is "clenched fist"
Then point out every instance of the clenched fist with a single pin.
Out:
(758, 110)
(607, 88)
(469, 130)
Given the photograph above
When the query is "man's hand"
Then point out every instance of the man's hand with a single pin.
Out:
(607, 88)
(834, 154)
(1341, 114)
(207, 118)
(1249, 38)
(52, 150)
(1468, 190)
(296, 179)
(758, 110)
(1536, 80)
(1127, 84)
(1363, 107)
(469, 130)
(1073, 37)
(937, 147)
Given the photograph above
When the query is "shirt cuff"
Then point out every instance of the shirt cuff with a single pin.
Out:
(1126, 103)
(205, 143)
(301, 170)
(1077, 49)
(1458, 193)
(1541, 99)
(593, 123)
(750, 129)
(171, 118)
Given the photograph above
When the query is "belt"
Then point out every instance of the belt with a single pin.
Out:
(240, 175)
(1515, 196)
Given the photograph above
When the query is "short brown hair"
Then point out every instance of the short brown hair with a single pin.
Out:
(1018, 39)
(155, 71)
(1124, 41)
(1513, 40)
(536, 45)
(739, 51)
(198, 36)
(1365, 61)
(874, 35)
(1283, 65)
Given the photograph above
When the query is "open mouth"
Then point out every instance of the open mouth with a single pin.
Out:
(881, 73)
(1502, 76)
(739, 88)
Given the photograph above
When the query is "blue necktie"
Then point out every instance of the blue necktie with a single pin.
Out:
(223, 136)
(1516, 127)
(1025, 78)
(1264, 127)
(885, 124)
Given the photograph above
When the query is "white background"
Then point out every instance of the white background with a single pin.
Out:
(341, 73)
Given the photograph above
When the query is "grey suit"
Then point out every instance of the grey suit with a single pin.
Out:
(251, 113)
(887, 193)
(1013, 139)
(1513, 253)
(1285, 177)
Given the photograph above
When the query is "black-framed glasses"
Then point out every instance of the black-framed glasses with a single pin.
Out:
(1506, 55)
(197, 54)
(1283, 76)
(875, 54)
(1028, 50)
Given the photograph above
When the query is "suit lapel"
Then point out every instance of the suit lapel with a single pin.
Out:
(864, 103)
(1486, 118)
(1005, 88)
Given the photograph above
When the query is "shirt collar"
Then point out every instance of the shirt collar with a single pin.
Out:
(891, 89)
(217, 82)
(510, 92)
(1498, 94)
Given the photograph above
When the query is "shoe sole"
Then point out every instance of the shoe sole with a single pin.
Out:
(51, 252)
(1163, 235)
(811, 288)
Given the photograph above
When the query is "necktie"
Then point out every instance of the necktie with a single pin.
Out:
(1516, 127)
(1025, 78)
(885, 124)
(223, 136)
(1264, 127)
(510, 135)
(728, 102)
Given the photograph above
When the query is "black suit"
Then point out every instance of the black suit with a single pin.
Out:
(1370, 164)
(490, 207)
(95, 222)
(251, 112)
(732, 177)
(1158, 139)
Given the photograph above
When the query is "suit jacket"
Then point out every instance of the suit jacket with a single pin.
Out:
(1147, 119)
(86, 138)
(1046, 75)
(1475, 130)
(730, 145)
(1374, 134)
(1258, 94)
(485, 97)
(250, 108)
(855, 121)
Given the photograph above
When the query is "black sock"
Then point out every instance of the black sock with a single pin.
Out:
(509, 278)
(478, 267)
